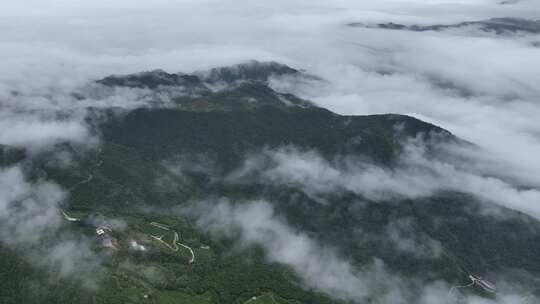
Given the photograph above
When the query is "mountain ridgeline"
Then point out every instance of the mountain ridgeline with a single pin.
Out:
(231, 111)
(498, 26)
(239, 86)
(177, 153)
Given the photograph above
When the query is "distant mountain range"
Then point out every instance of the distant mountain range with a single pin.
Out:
(497, 26)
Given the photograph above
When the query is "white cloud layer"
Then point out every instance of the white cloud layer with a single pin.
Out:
(29, 214)
(320, 267)
(489, 94)
(483, 88)
(65, 43)
(415, 175)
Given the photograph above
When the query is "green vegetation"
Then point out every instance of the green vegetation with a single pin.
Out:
(152, 160)
(10, 155)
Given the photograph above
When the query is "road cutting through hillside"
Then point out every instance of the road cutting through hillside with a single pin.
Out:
(162, 226)
(69, 218)
(175, 243)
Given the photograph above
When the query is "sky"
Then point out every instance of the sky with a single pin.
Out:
(480, 86)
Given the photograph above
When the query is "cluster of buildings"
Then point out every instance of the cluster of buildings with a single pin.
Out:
(105, 239)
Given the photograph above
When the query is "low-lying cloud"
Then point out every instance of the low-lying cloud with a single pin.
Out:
(255, 223)
(415, 175)
(482, 88)
(31, 222)
(405, 237)
(320, 268)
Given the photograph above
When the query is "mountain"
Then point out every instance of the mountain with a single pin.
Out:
(243, 85)
(498, 26)
(153, 80)
(159, 175)
(253, 71)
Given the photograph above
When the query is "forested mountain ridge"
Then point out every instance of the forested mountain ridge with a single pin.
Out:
(180, 179)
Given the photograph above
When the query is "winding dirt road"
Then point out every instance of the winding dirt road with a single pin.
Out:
(175, 243)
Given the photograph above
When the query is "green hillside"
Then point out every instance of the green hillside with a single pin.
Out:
(152, 161)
